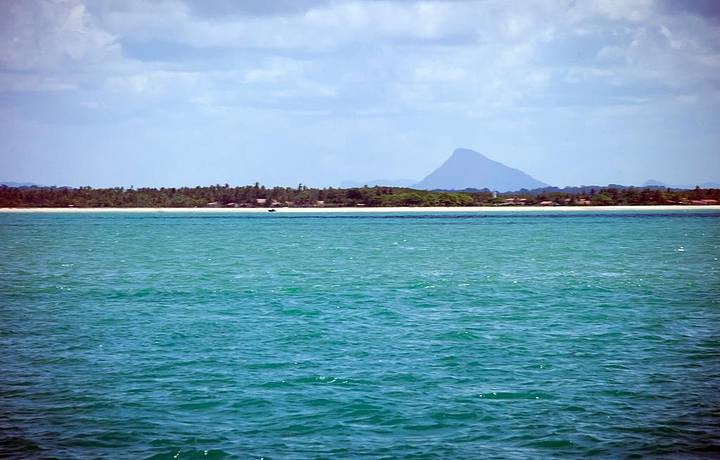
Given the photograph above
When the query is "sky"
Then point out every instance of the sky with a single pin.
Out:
(199, 92)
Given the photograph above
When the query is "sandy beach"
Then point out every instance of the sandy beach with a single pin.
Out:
(369, 209)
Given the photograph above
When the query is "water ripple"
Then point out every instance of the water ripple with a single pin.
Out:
(226, 336)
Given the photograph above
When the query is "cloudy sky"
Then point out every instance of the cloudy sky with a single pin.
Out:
(196, 92)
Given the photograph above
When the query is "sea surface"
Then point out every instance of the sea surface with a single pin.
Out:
(360, 336)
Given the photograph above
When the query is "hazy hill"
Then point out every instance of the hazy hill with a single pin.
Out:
(18, 184)
(656, 183)
(378, 183)
(469, 169)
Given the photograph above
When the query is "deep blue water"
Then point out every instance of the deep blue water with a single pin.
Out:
(374, 335)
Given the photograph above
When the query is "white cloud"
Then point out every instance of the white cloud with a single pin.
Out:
(629, 10)
(467, 57)
(19, 82)
(153, 82)
(274, 71)
(51, 35)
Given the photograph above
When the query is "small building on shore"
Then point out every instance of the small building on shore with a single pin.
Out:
(514, 201)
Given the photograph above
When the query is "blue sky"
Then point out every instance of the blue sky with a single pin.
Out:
(197, 92)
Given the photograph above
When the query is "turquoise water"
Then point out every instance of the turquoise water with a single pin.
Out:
(319, 336)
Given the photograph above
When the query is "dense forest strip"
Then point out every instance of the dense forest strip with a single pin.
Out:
(302, 196)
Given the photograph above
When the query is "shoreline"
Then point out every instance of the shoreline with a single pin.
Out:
(454, 209)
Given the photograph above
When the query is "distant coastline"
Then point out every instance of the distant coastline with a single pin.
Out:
(258, 196)
(411, 209)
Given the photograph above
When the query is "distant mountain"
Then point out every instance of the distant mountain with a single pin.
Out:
(18, 184)
(657, 183)
(467, 169)
(654, 183)
(379, 183)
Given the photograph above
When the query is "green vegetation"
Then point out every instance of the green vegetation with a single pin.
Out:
(302, 196)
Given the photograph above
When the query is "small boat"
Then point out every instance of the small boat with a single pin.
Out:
(271, 210)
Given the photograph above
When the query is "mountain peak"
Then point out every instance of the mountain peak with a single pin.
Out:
(460, 152)
(467, 154)
(469, 169)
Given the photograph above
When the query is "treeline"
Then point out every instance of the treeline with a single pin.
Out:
(302, 196)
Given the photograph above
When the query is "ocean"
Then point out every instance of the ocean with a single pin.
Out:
(470, 335)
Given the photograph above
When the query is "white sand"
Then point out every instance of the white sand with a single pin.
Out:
(368, 209)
